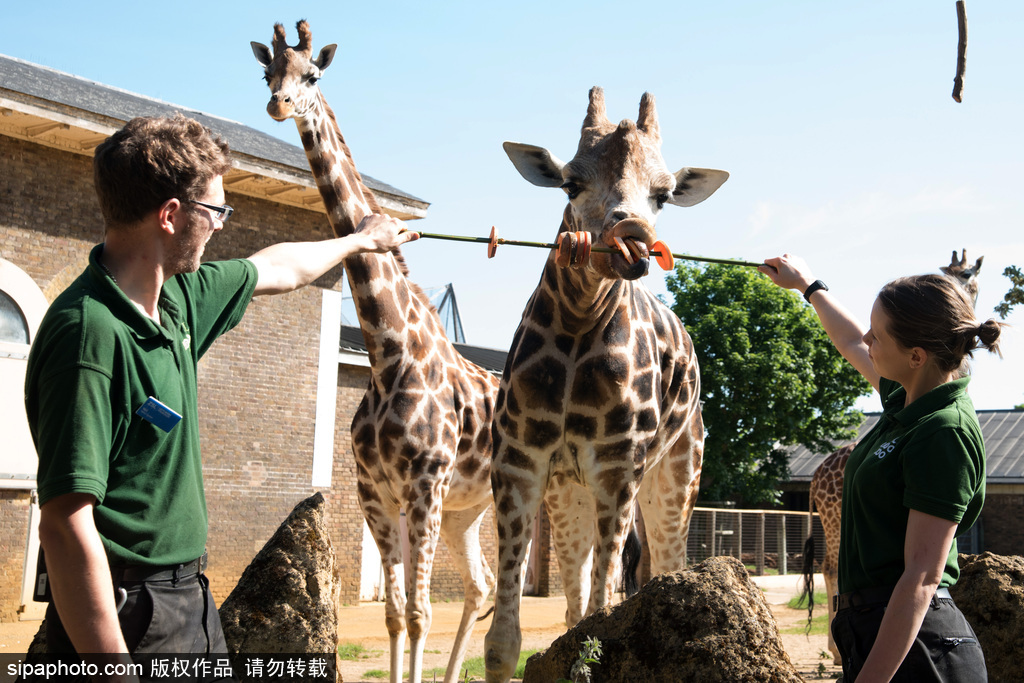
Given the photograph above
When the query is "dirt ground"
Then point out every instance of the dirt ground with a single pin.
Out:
(543, 620)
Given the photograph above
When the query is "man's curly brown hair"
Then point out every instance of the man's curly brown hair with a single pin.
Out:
(151, 160)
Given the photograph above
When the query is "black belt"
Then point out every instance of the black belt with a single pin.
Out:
(870, 597)
(142, 573)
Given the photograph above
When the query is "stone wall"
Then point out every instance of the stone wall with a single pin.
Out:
(1000, 518)
(14, 517)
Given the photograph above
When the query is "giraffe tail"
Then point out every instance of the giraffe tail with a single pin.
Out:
(808, 583)
(631, 552)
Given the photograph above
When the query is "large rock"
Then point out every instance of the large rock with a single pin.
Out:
(285, 601)
(708, 624)
(990, 593)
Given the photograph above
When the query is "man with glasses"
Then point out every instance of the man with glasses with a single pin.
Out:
(111, 393)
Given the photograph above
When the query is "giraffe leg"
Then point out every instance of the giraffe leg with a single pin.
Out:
(831, 588)
(384, 525)
(571, 511)
(667, 496)
(424, 527)
(610, 527)
(516, 501)
(460, 530)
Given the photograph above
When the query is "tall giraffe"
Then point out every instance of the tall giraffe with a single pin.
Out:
(422, 433)
(599, 403)
(826, 492)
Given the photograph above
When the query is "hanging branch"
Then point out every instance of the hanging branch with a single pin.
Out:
(961, 53)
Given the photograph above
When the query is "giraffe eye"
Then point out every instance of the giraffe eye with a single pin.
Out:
(312, 79)
(572, 189)
(661, 199)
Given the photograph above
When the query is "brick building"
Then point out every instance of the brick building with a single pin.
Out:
(277, 394)
(999, 529)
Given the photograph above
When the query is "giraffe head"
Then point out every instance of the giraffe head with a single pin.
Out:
(966, 276)
(291, 73)
(617, 183)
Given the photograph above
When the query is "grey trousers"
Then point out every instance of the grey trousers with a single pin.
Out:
(166, 624)
(946, 648)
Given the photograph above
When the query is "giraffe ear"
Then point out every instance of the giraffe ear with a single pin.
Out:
(694, 185)
(262, 53)
(536, 164)
(326, 57)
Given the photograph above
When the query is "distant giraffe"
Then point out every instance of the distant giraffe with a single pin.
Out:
(826, 495)
(827, 483)
(599, 403)
(422, 434)
(966, 276)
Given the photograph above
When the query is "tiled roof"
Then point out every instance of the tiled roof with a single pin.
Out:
(111, 105)
(491, 360)
(1003, 431)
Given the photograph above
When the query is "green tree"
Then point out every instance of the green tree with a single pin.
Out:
(1015, 295)
(770, 378)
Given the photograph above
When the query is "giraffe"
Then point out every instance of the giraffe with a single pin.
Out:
(422, 433)
(827, 483)
(966, 276)
(826, 495)
(599, 401)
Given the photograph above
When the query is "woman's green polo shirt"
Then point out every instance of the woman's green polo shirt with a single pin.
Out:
(928, 456)
(95, 361)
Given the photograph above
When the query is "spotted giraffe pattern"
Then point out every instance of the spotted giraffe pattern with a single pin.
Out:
(826, 493)
(599, 403)
(826, 496)
(422, 433)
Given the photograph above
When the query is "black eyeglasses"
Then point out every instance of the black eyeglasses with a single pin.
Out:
(221, 213)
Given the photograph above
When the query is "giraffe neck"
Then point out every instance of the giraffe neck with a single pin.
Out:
(341, 186)
(390, 308)
(580, 298)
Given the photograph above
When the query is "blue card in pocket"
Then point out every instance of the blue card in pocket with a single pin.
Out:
(158, 414)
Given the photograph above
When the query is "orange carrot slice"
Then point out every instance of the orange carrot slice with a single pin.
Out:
(664, 257)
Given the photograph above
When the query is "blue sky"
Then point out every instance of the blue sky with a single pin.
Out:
(834, 119)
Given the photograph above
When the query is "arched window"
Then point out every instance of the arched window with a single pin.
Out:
(22, 305)
(13, 325)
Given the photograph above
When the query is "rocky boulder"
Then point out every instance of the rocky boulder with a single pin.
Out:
(708, 624)
(990, 593)
(285, 601)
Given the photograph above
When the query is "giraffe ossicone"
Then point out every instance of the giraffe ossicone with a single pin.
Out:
(422, 433)
(599, 403)
(966, 275)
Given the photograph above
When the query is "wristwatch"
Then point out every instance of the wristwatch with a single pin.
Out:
(815, 286)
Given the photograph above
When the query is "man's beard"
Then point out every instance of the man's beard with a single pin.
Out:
(188, 247)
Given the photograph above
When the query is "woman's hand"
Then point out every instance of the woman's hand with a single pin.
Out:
(788, 272)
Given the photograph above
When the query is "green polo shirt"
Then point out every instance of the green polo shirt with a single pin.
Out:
(94, 362)
(928, 456)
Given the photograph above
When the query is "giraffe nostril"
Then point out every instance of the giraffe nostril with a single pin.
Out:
(620, 215)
